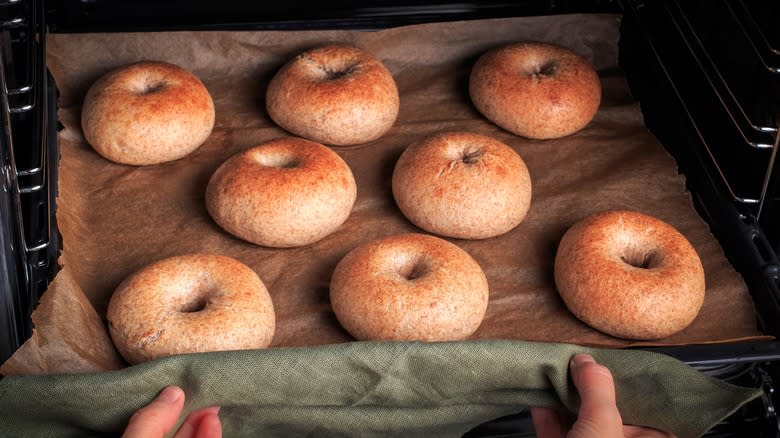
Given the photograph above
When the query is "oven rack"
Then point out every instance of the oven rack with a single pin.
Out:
(746, 49)
(752, 41)
(28, 245)
(726, 97)
(740, 151)
(753, 133)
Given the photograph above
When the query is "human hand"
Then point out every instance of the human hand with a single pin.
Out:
(159, 417)
(599, 416)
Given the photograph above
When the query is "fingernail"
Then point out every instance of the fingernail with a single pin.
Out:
(170, 394)
(581, 359)
(212, 410)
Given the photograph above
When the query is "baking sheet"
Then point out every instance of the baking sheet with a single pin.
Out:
(114, 219)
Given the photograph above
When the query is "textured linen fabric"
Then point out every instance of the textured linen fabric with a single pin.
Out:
(367, 389)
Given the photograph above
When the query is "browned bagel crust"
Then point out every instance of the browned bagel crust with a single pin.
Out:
(190, 304)
(629, 275)
(336, 95)
(283, 193)
(147, 113)
(535, 90)
(462, 184)
(409, 287)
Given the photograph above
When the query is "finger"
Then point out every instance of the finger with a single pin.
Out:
(598, 415)
(644, 432)
(203, 423)
(548, 423)
(210, 427)
(158, 417)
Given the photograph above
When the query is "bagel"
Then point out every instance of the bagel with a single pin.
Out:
(284, 193)
(463, 185)
(147, 113)
(535, 90)
(337, 95)
(190, 304)
(629, 275)
(409, 287)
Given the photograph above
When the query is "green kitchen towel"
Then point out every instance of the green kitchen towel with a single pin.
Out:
(368, 389)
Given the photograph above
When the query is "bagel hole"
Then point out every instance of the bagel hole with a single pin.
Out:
(641, 260)
(194, 306)
(332, 69)
(471, 156)
(546, 69)
(413, 270)
(279, 161)
(152, 87)
(338, 73)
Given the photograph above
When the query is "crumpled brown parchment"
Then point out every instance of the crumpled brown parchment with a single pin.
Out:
(114, 219)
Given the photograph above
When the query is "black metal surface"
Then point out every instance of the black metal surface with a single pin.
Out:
(29, 155)
(13, 316)
(744, 51)
(129, 15)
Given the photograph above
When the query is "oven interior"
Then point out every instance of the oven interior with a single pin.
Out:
(706, 74)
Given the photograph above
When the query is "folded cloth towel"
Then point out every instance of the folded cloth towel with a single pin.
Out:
(368, 389)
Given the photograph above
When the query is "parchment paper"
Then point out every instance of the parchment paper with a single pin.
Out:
(114, 219)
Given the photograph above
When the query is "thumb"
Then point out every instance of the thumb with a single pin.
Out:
(599, 415)
(158, 417)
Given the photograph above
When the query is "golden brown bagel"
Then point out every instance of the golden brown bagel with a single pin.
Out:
(190, 304)
(461, 184)
(535, 90)
(283, 193)
(409, 287)
(337, 95)
(629, 275)
(147, 113)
